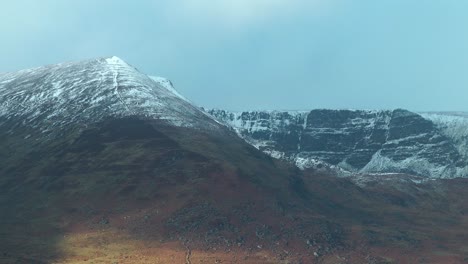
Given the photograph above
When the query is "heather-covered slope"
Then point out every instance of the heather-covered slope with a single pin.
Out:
(137, 191)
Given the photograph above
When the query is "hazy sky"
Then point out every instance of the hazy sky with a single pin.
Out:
(260, 54)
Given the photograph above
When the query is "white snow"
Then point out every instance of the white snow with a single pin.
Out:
(274, 153)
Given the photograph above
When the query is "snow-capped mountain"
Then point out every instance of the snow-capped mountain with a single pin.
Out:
(356, 141)
(79, 92)
(345, 141)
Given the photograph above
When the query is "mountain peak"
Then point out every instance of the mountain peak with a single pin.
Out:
(117, 63)
(88, 91)
(115, 60)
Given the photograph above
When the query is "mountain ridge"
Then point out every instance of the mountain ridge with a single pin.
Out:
(359, 141)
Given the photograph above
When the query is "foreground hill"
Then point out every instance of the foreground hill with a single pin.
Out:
(140, 175)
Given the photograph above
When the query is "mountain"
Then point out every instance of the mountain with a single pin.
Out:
(100, 163)
(76, 93)
(357, 141)
(98, 159)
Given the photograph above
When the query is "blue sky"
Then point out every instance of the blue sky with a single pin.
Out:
(261, 54)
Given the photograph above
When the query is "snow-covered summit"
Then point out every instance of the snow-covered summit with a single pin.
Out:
(91, 90)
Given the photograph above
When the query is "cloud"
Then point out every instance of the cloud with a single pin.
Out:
(238, 14)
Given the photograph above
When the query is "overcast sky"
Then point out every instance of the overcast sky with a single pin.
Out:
(260, 54)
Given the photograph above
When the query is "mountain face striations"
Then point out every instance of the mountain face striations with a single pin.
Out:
(355, 141)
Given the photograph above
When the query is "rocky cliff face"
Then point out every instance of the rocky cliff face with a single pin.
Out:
(353, 140)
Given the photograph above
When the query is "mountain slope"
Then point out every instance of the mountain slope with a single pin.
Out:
(454, 126)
